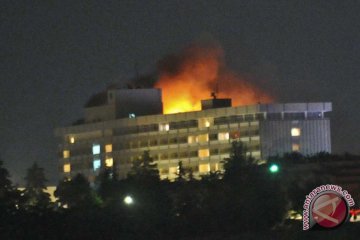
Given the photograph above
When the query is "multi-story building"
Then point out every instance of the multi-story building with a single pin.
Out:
(120, 124)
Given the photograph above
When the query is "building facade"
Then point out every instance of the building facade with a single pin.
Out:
(200, 139)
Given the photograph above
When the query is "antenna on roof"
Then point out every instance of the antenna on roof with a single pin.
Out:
(213, 94)
(216, 89)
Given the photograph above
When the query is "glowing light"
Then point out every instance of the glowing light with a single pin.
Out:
(295, 147)
(96, 164)
(295, 132)
(96, 149)
(164, 127)
(204, 168)
(109, 162)
(67, 168)
(223, 136)
(203, 138)
(66, 153)
(274, 168)
(128, 200)
(108, 148)
(72, 140)
(203, 153)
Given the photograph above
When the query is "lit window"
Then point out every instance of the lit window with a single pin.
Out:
(204, 168)
(72, 140)
(295, 132)
(223, 136)
(108, 148)
(164, 127)
(66, 153)
(203, 138)
(132, 115)
(204, 153)
(96, 149)
(205, 122)
(67, 168)
(192, 139)
(96, 164)
(173, 170)
(214, 167)
(296, 147)
(109, 162)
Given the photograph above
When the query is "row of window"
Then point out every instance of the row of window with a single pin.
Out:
(96, 164)
(163, 127)
(201, 153)
(201, 138)
(201, 168)
(207, 122)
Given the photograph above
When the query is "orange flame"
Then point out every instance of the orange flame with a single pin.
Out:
(187, 78)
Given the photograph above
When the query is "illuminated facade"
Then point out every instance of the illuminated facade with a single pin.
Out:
(200, 139)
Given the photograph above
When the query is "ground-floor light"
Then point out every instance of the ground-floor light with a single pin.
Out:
(128, 200)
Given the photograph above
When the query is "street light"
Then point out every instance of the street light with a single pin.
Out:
(274, 168)
(128, 200)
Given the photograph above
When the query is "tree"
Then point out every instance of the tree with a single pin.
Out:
(254, 196)
(8, 194)
(76, 193)
(108, 187)
(144, 169)
(150, 201)
(181, 173)
(34, 193)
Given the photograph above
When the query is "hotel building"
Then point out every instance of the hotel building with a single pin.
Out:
(120, 124)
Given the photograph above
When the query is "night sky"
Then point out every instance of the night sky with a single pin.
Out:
(56, 54)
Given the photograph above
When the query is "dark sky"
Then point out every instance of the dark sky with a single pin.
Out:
(56, 54)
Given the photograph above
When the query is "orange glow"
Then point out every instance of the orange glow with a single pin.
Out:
(191, 76)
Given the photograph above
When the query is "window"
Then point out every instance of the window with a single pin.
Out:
(214, 167)
(163, 156)
(108, 148)
(295, 132)
(203, 138)
(295, 147)
(67, 168)
(173, 170)
(214, 151)
(96, 164)
(234, 135)
(206, 122)
(192, 139)
(96, 149)
(72, 140)
(164, 127)
(204, 168)
(66, 153)
(109, 162)
(153, 142)
(294, 115)
(249, 117)
(174, 155)
(223, 136)
(203, 153)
